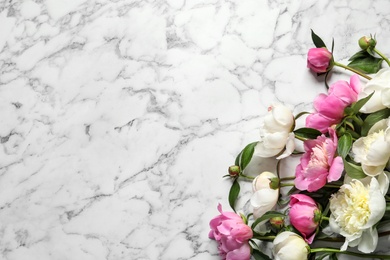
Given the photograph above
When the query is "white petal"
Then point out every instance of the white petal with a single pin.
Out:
(369, 241)
(290, 147)
(377, 204)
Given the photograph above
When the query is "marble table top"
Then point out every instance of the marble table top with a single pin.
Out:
(118, 118)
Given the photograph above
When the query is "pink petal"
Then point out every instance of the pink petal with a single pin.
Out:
(336, 169)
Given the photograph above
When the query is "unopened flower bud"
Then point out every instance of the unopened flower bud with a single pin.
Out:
(234, 170)
(277, 222)
(367, 42)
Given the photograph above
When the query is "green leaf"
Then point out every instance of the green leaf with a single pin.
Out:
(266, 216)
(367, 63)
(358, 55)
(237, 162)
(354, 171)
(344, 145)
(233, 194)
(332, 45)
(333, 257)
(359, 104)
(307, 133)
(258, 255)
(246, 155)
(318, 42)
(373, 118)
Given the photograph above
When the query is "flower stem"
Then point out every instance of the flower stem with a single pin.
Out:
(287, 178)
(351, 69)
(334, 250)
(269, 238)
(286, 184)
(382, 55)
(324, 218)
(246, 176)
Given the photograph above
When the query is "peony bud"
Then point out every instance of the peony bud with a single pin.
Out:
(234, 170)
(367, 42)
(277, 223)
(289, 246)
(304, 216)
(264, 198)
(319, 60)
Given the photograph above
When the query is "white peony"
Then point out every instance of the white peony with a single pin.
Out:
(373, 150)
(289, 246)
(380, 83)
(355, 209)
(264, 198)
(276, 133)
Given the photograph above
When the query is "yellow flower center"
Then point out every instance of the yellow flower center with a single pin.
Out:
(368, 140)
(350, 207)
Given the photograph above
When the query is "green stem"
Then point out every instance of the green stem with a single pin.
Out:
(331, 186)
(324, 218)
(338, 251)
(287, 178)
(357, 120)
(286, 184)
(382, 55)
(246, 176)
(269, 238)
(351, 69)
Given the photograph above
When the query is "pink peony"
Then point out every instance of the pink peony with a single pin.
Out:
(232, 235)
(318, 163)
(330, 108)
(303, 211)
(319, 59)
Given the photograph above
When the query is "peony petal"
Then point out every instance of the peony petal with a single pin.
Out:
(241, 253)
(336, 169)
(369, 241)
(264, 200)
(265, 152)
(377, 204)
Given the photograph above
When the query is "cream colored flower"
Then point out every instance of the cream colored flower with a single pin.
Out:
(380, 83)
(276, 133)
(264, 198)
(373, 150)
(289, 246)
(355, 209)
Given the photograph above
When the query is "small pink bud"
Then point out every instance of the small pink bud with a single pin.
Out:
(319, 60)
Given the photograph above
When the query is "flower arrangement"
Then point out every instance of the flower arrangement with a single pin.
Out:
(339, 193)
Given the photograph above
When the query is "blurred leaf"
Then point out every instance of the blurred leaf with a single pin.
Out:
(365, 62)
(333, 257)
(258, 255)
(344, 145)
(354, 171)
(266, 216)
(318, 42)
(358, 55)
(307, 133)
(237, 162)
(359, 104)
(246, 155)
(233, 194)
(373, 118)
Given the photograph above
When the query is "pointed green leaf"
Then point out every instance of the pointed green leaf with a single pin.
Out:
(318, 42)
(307, 133)
(247, 154)
(358, 55)
(354, 171)
(237, 162)
(359, 104)
(344, 145)
(233, 194)
(266, 216)
(373, 118)
(366, 64)
(332, 45)
(258, 255)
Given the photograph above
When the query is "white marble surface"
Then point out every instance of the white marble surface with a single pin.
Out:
(119, 118)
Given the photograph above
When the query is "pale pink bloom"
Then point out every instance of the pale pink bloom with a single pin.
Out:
(330, 108)
(303, 210)
(232, 235)
(318, 59)
(319, 164)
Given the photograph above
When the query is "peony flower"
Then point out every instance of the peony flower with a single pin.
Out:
(330, 108)
(355, 209)
(319, 164)
(264, 198)
(373, 150)
(380, 83)
(276, 133)
(319, 60)
(232, 235)
(304, 216)
(289, 246)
